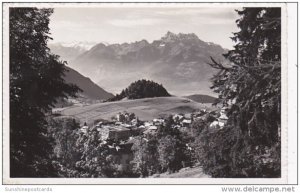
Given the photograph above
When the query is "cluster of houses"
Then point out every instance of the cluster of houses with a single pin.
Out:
(126, 125)
(121, 132)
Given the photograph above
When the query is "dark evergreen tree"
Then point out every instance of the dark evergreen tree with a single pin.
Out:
(36, 81)
(251, 89)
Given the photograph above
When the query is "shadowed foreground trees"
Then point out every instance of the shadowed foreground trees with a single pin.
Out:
(163, 152)
(36, 81)
(249, 144)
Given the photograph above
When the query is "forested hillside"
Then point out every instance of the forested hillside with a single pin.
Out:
(142, 89)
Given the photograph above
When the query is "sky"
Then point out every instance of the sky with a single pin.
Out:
(129, 24)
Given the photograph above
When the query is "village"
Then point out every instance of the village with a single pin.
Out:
(120, 133)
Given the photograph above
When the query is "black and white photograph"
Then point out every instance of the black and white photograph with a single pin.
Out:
(144, 91)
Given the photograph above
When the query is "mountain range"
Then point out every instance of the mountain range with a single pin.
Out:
(178, 61)
(68, 51)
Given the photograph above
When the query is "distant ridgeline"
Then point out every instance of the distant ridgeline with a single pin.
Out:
(200, 98)
(141, 89)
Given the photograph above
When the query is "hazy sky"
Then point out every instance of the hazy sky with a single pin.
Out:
(127, 24)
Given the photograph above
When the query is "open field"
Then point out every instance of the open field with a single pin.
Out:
(145, 109)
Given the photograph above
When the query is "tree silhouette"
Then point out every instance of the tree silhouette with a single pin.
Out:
(36, 82)
(251, 90)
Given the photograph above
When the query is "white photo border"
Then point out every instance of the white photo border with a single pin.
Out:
(287, 70)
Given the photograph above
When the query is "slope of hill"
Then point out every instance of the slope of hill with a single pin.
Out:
(178, 61)
(89, 88)
(196, 172)
(200, 98)
(142, 89)
(145, 109)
